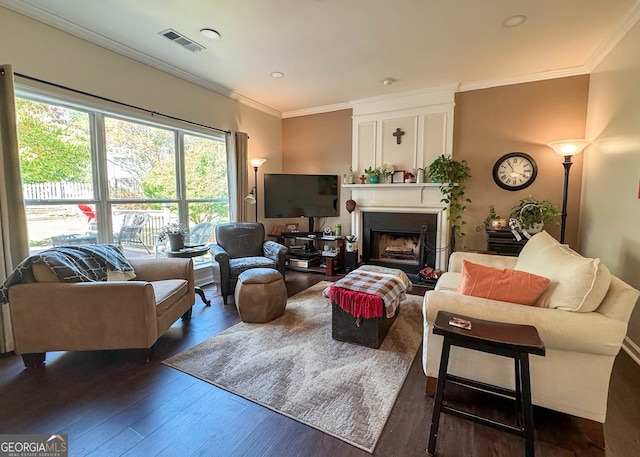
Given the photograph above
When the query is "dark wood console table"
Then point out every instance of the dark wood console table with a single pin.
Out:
(504, 243)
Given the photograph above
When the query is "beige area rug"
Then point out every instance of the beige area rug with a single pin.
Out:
(292, 366)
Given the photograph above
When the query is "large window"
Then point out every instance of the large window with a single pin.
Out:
(87, 174)
(141, 161)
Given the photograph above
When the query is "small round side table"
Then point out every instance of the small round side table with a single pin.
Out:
(195, 251)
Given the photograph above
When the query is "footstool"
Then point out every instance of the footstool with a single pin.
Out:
(261, 295)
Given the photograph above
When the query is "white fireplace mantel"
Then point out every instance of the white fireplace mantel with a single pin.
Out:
(402, 198)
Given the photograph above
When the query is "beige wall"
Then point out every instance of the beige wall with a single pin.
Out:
(319, 143)
(37, 50)
(523, 117)
(488, 123)
(610, 212)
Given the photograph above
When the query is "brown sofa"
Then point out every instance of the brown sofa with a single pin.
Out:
(49, 315)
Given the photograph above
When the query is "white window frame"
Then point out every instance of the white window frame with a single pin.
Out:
(97, 110)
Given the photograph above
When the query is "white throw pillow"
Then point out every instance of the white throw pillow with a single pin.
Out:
(536, 243)
(577, 283)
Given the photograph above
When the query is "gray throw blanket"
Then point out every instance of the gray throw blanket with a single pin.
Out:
(84, 263)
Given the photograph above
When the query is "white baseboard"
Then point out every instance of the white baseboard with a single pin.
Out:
(632, 349)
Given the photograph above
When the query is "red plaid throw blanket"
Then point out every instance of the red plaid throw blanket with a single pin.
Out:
(363, 293)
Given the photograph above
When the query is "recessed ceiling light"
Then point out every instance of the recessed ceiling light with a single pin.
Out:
(514, 21)
(209, 33)
(277, 74)
(388, 81)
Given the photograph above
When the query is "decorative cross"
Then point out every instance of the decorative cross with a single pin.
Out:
(398, 134)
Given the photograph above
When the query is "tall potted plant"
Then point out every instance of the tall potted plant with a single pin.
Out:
(452, 174)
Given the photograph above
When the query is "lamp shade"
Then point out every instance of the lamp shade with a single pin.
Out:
(250, 199)
(569, 147)
(256, 162)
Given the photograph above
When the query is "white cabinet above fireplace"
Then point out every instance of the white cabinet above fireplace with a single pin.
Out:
(407, 130)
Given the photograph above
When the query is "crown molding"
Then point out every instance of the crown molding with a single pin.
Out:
(522, 79)
(611, 40)
(443, 91)
(402, 100)
(451, 88)
(316, 110)
(615, 36)
(37, 13)
(79, 31)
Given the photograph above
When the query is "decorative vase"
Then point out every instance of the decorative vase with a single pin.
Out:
(388, 179)
(374, 179)
(176, 241)
(352, 246)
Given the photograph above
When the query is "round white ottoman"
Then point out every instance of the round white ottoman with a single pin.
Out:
(260, 295)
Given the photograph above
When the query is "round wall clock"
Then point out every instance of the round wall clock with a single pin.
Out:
(515, 171)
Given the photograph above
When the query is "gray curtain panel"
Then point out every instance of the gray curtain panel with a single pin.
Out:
(237, 175)
(14, 241)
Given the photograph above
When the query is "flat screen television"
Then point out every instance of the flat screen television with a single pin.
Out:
(298, 195)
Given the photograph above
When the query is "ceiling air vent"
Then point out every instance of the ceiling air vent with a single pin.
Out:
(182, 40)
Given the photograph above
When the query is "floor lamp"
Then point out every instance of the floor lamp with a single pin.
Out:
(567, 149)
(252, 198)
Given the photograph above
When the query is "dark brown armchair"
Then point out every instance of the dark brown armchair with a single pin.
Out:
(241, 246)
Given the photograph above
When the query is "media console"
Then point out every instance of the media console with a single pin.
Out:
(308, 257)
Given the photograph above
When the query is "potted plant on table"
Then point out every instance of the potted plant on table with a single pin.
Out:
(493, 221)
(530, 215)
(175, 233)
(352, 244)
(373, 174)
(384, 173)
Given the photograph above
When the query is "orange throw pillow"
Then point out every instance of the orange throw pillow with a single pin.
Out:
(505, 285)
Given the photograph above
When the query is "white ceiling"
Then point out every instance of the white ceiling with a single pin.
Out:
(336, 51)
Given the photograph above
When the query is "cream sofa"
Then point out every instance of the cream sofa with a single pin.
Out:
(49, 315)
(581, 345)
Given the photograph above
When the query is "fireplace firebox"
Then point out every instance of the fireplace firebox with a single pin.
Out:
(406, 241)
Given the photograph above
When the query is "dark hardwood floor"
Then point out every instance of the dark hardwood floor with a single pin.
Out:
(113, 403)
